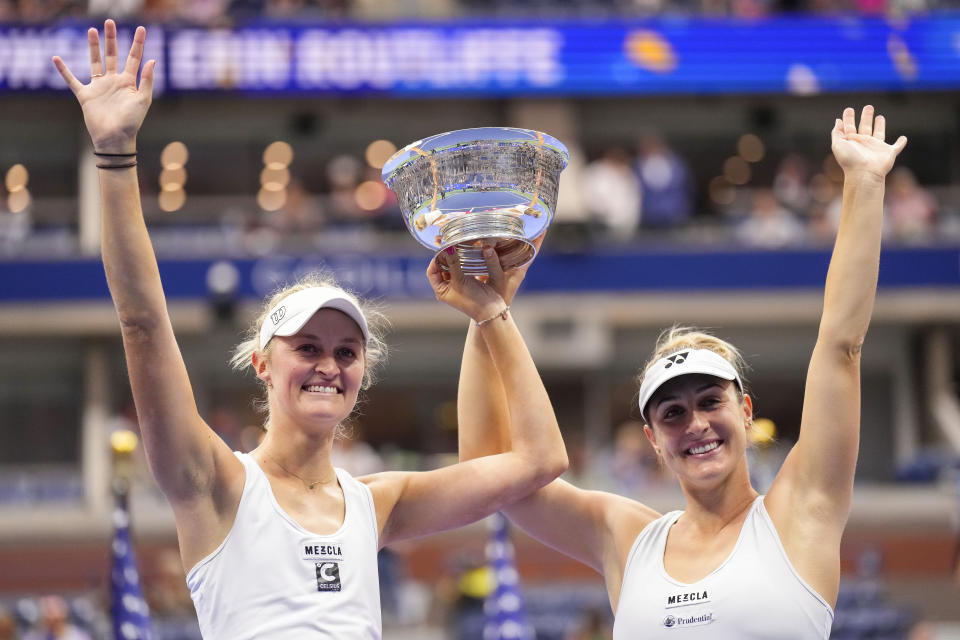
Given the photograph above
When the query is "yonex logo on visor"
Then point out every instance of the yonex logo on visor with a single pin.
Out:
(288, 317)
(683, 363)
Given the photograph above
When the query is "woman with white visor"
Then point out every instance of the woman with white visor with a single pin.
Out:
(278, 543)
(733, 564)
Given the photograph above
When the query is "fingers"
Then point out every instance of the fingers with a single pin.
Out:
(899, 144)
(866, 120)
(880, 128)
(93, 40)
(146, 78)
(849, 121)
(494, 268)
(453, 263)
(837, 131)
(74, 84)
(136, 51)
(434, 274)
(110, 46)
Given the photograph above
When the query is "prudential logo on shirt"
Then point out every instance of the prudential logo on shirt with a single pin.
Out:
(687, 621)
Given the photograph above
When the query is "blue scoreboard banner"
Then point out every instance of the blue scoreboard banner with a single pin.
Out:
(795, 54)
(403, 276)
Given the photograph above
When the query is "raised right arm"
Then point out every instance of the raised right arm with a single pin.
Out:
(593, 527)
(193, 467)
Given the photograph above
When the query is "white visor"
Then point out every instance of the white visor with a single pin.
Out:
(295, 310)
(683, 363)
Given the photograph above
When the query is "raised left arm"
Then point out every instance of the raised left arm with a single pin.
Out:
(810, 498)
(415, 504)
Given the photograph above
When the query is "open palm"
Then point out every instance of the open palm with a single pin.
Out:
(113, 105)
(864, 149)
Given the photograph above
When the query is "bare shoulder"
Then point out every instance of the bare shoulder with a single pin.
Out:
(625, 520)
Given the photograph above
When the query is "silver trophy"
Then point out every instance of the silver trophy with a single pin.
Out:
(469, 187)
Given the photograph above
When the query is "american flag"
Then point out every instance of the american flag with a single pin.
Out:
(131, 616)
(504, 609)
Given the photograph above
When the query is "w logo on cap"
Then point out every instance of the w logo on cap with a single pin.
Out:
(677, 358)
(277, 315)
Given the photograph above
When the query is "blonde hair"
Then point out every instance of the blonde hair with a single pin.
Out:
(677, 338)
(374, 349)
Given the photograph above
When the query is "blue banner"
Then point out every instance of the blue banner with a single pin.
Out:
(792, 54)
(403, 276)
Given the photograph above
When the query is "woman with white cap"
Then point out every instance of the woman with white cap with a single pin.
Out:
(734, 564)
(279, 543)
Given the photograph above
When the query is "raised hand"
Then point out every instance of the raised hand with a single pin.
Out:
(864, 149)
(478, 300)
(113, 105)
(506, 283)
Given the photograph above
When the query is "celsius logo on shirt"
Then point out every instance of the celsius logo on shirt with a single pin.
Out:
(328, 576)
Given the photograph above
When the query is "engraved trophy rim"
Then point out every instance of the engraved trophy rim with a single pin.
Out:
(446, 181)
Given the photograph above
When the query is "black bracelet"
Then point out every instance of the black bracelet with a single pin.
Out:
(115, 155)
(117, 166)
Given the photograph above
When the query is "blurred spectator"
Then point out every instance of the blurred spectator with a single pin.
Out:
(226, 423)
(355, 455)
(15, 227)
(167, 592)
(54, 622)
(35, 11)
(635, 463)
(116, 9)
(911, 209)
(821, 227)
(595, 626)
(8, 626)
(791, 183)
(300, 215)
(8, 11)
(665, 184)
(612, 195)
(769, 225)
(343, 177)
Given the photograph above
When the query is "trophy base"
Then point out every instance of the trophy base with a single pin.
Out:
(502, 227)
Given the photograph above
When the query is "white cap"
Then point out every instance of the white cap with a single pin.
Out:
(295, 310)
(683, 363)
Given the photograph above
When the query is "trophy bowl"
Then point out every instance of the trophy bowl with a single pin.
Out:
(470, 187)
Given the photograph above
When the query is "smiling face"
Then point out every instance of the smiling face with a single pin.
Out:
(698, 422)
(315, 375)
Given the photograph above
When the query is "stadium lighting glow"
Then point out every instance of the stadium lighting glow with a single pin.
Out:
(174, 155)
(751, 148)
(17, 178)
(378, 152)
(278, 155)
(736, 170)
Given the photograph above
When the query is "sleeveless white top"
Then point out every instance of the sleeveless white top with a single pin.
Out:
(271, 578)
(754, 593)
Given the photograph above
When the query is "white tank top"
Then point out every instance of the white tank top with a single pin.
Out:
(754, 593)
(271, 578)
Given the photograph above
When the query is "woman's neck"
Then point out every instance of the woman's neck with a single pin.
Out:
(298, 453)
(713, 508)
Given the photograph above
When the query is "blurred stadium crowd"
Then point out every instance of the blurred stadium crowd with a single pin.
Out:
(229, 12)
(647, 193)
